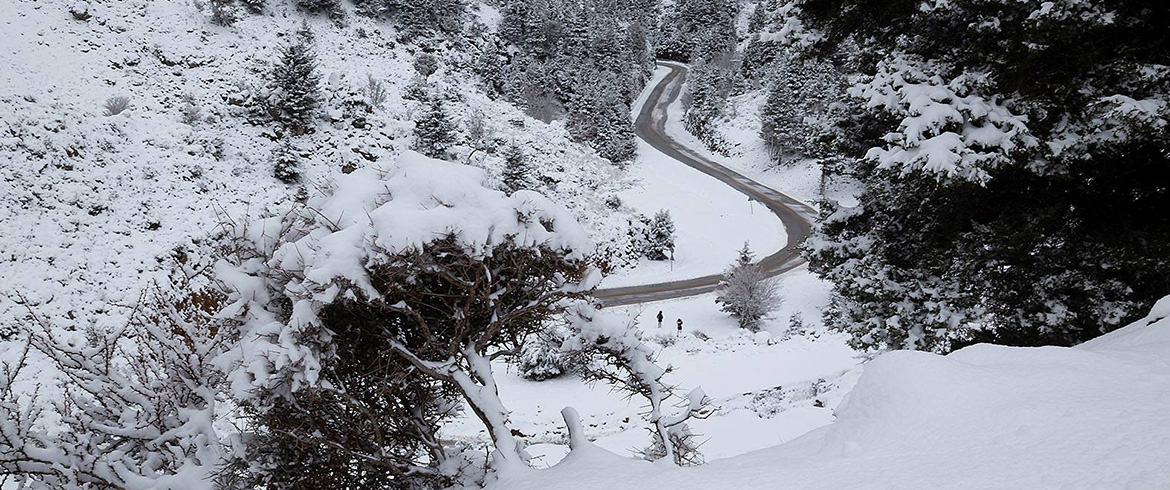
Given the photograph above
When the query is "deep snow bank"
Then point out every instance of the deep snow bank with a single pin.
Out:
(1092, 416)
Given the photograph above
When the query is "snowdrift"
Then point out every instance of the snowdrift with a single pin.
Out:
(1092, 416)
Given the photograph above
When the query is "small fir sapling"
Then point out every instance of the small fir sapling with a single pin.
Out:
(375, 92)
(517, 171)
(426, 64)
(294, 92)
(434, 133)
(541, 356)
(223, 12)
(286, 162)
(190, 111)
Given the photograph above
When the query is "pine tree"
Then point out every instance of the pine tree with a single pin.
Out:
(660, 237)
(746, 256)
(1017, 187)
(286, 165)
(328, 7)
(434, 133)
(294, 89)
(746, 292)
(801, 116)
(517, 170)
(253, 6)
(426, 64)
(223, 12)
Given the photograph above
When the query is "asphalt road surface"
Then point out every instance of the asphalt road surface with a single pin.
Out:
(651, 127)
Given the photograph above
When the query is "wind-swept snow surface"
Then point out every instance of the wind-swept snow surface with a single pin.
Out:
(1092, 416)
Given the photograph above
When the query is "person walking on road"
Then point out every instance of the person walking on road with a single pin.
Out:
(680, 326)
(659, 318)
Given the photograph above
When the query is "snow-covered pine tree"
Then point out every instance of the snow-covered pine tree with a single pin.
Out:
(745, 256)
(708, 86)
(223, 12)
(331, 8)
(190, 112)
(286, 162)
(995, 204)
(746, 292)
(293, 85)
(253, 6)
(660, 237)
(426, 64)
(801, 115)
(541, 357)
(700, 29)
(434, 132)
(517, 172)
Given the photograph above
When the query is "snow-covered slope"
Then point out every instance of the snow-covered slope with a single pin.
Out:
(1092, 416)
(91, 205)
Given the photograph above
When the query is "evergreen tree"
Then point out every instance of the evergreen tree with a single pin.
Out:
(709, 85)
(253, 6)
(331, 8)
(223, 12)
(426, 64)
(1016, 185)
(660, 237)
(434, 133)
(801, 117)
(541, 357)
(286, 165)
(294, 92)
(746, 292)
(517, 170)
(701, 29)
(745, 257)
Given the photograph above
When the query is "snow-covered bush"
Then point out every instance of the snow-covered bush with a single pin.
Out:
(135, 408)
(541, 356)
(746, 292)
(423, 270)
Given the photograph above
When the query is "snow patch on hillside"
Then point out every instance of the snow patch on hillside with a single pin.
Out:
(93, 205)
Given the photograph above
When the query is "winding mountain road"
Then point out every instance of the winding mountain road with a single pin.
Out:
(650, 125)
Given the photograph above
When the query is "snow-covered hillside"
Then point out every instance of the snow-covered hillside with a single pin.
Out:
(1092, 416)
(92, 204)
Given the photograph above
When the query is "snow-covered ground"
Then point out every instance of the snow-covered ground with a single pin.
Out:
(764, 385)
(92, 205)
(712, 221)
(1092, 416)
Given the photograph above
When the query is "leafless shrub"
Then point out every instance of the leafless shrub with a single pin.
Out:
(375, 92)
(191, 112)
(116, 105)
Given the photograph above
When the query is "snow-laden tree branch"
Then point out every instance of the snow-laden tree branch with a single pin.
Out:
(130, 409)
(422, 272)
(609, 349)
